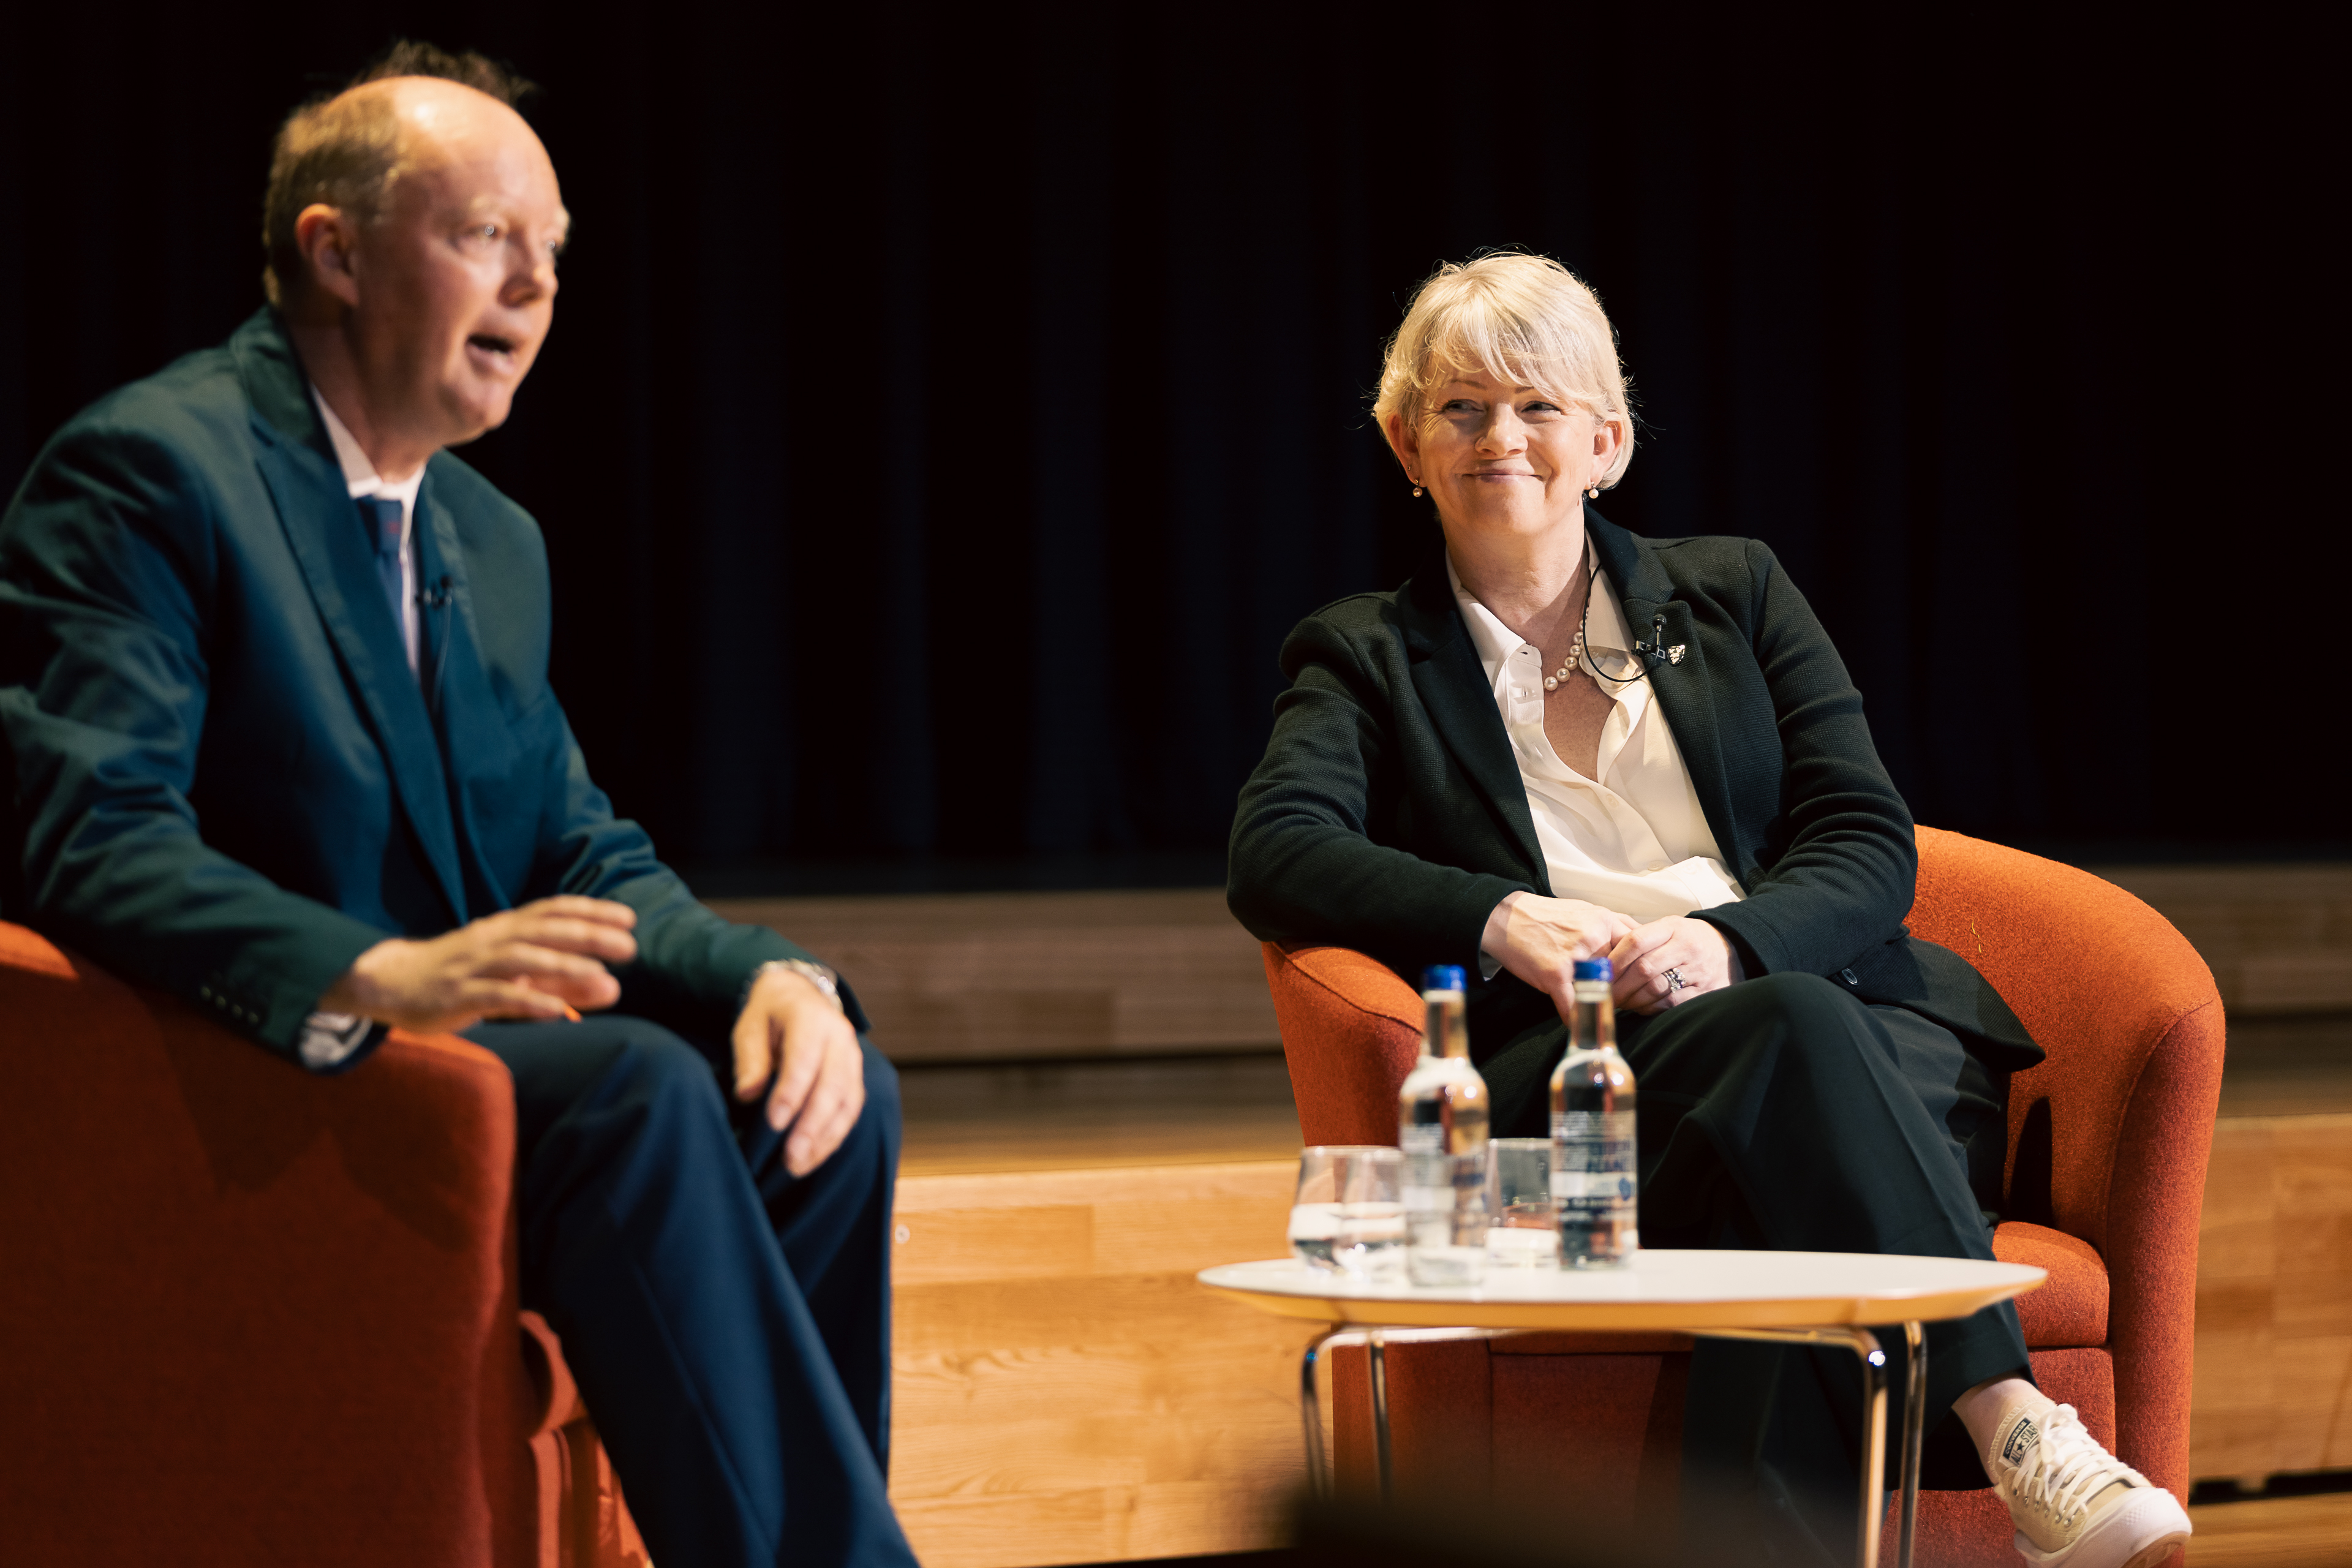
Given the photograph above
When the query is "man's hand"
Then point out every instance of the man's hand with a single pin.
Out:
(1539, 940)
(530, 963)
(1700, 955)
(792, 1041)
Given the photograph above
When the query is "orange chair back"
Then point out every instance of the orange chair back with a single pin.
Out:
(2101, 981)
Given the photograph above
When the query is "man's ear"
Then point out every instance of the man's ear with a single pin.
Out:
(327, 240)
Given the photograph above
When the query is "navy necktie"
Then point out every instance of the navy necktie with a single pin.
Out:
(382, 515)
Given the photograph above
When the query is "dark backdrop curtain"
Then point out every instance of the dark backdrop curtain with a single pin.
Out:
(948, 411)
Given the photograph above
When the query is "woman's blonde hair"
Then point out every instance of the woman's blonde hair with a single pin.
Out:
(1524, 319)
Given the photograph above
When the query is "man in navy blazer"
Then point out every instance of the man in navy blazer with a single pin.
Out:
(273, 683)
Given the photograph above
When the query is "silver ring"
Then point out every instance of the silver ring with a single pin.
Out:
(1675, 981)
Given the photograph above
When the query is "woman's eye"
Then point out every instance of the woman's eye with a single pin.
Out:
(1540, 408)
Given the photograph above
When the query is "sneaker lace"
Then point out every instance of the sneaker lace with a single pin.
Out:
(2067, 1468)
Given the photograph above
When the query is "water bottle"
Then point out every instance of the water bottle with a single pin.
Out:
(1442, 1117)
(1594, 1177)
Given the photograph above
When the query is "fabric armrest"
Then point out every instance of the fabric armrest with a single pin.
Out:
(1351, 1033)
(285, 1303)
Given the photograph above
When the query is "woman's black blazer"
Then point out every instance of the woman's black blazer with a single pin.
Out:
(1387, 813)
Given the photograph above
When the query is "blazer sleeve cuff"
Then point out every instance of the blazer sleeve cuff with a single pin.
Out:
(268, 989)
(1467, 923)
(1752, 936)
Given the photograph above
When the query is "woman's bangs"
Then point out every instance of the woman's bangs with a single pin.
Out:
(1514, 349)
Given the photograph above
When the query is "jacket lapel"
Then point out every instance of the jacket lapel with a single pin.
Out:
(1655, 616)
(436, 558)
(322, 529)
(475, 739)
(1451, 685)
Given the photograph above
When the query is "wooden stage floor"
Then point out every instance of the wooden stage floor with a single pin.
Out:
(1059, 1116)
(1065, 1393)
(2286, 1531)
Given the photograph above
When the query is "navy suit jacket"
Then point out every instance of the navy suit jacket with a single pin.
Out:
(224, 780)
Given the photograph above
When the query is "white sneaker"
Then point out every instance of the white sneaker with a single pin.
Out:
(2072, 1502)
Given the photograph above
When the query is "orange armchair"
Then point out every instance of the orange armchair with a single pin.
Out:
(252, 1316)
(2107, 1145)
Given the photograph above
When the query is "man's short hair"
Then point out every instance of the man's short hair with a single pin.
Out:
(344, 151)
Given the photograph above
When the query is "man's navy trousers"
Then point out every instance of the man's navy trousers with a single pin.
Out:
(729, 1324)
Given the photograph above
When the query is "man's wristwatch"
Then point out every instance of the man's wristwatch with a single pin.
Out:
(816, 974)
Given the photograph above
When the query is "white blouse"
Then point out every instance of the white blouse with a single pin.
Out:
(1634, 839)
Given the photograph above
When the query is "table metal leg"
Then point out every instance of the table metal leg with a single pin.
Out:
(1914, 1434)
(1873, 1445)
(1318, 1465)
(1865, 1347)
(1320, 1481)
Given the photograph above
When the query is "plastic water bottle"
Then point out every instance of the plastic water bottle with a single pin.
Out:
(1442, 1121)
(1595, 1178)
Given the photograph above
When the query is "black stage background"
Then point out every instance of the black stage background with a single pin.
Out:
(947, 412)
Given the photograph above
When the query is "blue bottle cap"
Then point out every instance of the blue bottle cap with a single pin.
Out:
(1443, 977)
(1595, 969)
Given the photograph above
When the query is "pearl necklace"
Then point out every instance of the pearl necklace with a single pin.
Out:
(1559, 677)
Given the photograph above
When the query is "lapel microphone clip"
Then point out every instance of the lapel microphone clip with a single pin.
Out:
(437, 596)
(1655, 648)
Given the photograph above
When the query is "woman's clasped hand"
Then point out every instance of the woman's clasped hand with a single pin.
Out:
(1669, 961)
(1662, 964)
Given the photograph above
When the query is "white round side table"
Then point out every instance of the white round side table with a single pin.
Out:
(1801, 1298)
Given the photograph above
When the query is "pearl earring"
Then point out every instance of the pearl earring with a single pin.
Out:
(1416, 492)
(1593, 491)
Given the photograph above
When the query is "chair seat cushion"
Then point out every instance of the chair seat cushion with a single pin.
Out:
(2070, 1309)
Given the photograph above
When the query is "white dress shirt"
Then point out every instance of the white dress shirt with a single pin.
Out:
(1634, 838)
(328, 1039)
(360, 478)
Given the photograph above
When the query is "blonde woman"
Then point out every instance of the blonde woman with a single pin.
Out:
(1560, 740)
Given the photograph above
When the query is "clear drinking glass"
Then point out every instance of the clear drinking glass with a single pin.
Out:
(1350, 1214)
(1525, 1220)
